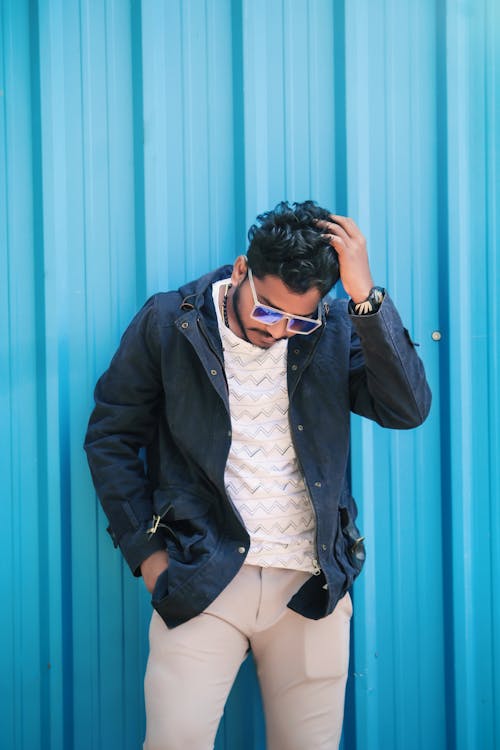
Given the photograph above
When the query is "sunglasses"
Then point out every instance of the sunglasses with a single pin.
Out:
(268, 316)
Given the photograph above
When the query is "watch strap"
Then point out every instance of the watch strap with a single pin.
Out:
(370, 305)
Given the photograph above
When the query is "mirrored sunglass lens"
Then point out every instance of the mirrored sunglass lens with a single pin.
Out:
(302, 326)
(266, 316)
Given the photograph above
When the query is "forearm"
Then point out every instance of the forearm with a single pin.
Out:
(125, 495)
(128, 399)
(388, 382)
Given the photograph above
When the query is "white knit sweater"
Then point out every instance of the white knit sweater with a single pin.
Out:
(262, 476)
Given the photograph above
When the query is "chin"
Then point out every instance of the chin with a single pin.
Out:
(266, 343)
(261, 339)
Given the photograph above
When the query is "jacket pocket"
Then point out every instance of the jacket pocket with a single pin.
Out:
(349, 549)
(188, 526)
(180, 503)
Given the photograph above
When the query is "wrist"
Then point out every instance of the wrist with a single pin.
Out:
(361, 291)
(154, 562)
(152, 567)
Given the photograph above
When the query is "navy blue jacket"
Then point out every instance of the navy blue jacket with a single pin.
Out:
(159, 437)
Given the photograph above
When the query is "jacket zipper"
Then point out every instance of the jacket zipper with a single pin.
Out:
(317, 569)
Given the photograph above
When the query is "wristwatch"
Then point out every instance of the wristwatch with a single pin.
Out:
(370, 305)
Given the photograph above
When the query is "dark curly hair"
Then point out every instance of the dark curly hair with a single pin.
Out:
(285, 242)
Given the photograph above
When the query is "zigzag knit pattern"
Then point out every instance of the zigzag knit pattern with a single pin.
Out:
(262, 476)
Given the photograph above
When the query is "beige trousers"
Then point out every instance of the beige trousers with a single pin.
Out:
(301, 665)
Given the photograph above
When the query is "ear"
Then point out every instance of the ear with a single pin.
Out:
(240, 270)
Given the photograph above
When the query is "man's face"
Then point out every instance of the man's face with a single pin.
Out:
(270, 291)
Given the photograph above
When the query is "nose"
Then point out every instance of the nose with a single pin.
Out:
(278, 330)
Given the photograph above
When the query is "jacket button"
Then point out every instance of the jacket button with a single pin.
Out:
(296, 351)
(300, 427)
(323, 547)
(185, 324)
(241, 550)
(317, 484)
(294, 367)
(213, 372)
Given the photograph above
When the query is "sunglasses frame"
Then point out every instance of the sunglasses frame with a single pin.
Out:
(318, 322)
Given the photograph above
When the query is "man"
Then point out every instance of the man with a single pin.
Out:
(240, 386)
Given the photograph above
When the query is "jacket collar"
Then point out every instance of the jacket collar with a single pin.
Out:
(194, 293)
(197, 304)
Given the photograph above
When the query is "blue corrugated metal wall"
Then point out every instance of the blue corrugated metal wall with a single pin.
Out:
(137, 142)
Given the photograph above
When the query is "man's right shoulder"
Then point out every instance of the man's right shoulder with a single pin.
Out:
(165, 307)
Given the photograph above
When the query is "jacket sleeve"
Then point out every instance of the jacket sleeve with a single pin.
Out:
(387, 378)
(128, 397)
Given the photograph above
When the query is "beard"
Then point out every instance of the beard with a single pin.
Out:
(236, 308)
(266, 339)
